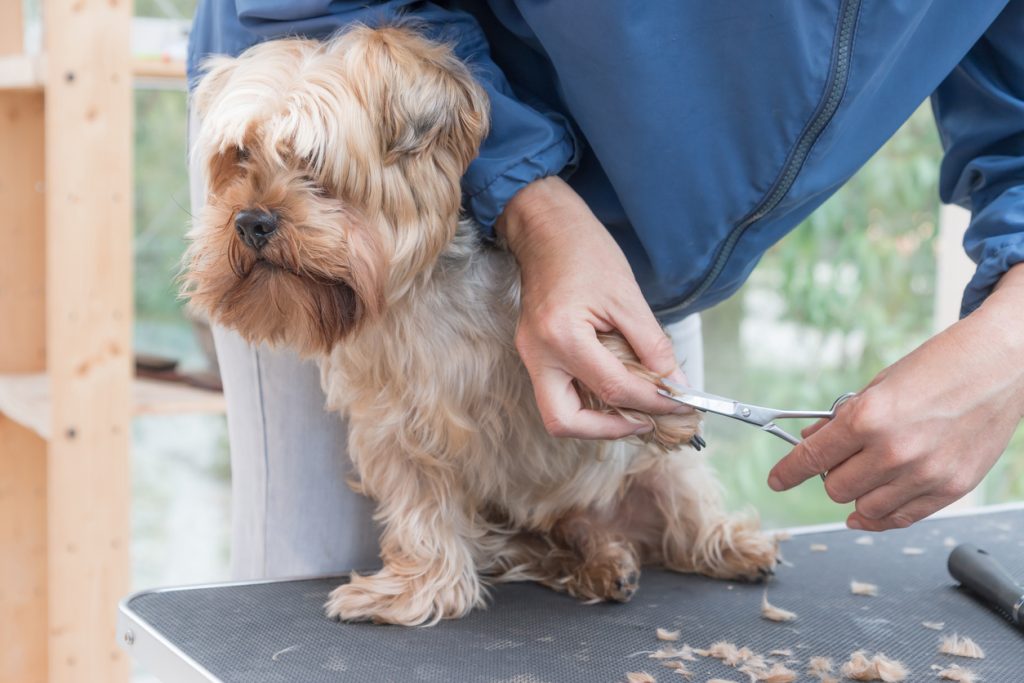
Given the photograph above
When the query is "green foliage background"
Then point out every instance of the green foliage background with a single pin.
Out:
(161, 201)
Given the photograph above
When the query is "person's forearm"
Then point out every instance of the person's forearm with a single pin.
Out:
(1001, 318)
(532, 213)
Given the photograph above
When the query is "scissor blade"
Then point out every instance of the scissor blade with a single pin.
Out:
(699, 400)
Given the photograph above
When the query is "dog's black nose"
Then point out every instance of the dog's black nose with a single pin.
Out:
(255, 227)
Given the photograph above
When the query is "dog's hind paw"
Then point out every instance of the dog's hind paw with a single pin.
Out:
(736, 549)
(613, 575)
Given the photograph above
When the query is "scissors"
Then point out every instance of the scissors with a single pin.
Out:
(745, 412)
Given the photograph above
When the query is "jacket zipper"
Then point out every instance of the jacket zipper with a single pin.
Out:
(835, 87)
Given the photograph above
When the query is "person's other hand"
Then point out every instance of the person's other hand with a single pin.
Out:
(927, 429)
(576, 282)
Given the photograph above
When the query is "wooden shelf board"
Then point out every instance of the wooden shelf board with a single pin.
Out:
(28, 72)
(154, 69)
(152, 397)
(21, 72)
(25, 399)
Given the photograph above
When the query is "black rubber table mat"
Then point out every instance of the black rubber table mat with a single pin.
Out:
(269, 632)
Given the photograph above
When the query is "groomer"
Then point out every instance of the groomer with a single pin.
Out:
(642, 157)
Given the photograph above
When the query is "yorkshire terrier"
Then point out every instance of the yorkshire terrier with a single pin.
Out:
(332, 226)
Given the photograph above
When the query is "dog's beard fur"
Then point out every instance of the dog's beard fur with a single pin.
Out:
(314, 281)
(356, 146)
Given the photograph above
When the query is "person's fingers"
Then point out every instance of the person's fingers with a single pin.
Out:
(832, 444)
(605, 375)
(643, 332)
(855, 477)
(899, 518)
(564, 416)
(884, 500)
(808, 431)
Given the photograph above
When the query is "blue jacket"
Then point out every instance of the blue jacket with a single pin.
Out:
(701, 132)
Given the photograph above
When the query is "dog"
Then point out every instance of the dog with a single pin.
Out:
(332, 226)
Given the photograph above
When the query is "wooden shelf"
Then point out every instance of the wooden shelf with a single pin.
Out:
(22, 72)
(25, 399)
(66, 303)
(27, 72)
(157, 70)
(152, 397)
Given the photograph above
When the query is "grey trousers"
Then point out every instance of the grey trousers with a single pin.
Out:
(292, 513)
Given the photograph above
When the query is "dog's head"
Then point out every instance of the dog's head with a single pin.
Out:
(333, 180)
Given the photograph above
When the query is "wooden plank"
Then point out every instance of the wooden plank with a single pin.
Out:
(27, 72)
(21, 72)
(89, 313)
(12, 28)
(153, 69)
(23, 605)
(22, 293)
(151, 397)
(25, 400)
(23, 568)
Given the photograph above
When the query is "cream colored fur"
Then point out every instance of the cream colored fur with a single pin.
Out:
(357, 146)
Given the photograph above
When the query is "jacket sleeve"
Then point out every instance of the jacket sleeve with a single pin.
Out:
(523, 144)
(979, 109)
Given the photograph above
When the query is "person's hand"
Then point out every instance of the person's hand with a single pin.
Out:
(576, 282)
(927, 429)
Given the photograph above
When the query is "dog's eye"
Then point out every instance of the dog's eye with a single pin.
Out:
(242, 153)
(313, 184)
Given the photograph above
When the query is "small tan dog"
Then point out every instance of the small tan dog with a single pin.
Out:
(332, 227)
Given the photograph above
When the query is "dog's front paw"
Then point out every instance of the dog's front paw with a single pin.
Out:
(735, 548)
(390, 598)
(613, 574)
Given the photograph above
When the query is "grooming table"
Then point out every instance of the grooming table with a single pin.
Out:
(275, 631)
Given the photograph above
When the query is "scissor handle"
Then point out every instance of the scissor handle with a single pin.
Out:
(801, 414)
(773, 428)
(840, 401)
(778, 431)
(827, 414)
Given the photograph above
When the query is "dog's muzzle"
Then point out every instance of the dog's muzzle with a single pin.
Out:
(255, 228)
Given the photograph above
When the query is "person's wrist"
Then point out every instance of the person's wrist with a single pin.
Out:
(1014, 277)
(527, 217)
(1002, 326)
(1001, 310)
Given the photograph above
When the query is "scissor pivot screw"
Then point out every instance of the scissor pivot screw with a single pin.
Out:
(745, 412)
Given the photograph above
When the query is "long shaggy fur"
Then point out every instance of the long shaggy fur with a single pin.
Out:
(356, 146)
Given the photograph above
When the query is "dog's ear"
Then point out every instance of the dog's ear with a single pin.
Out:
(440, 109)
(426, 98)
